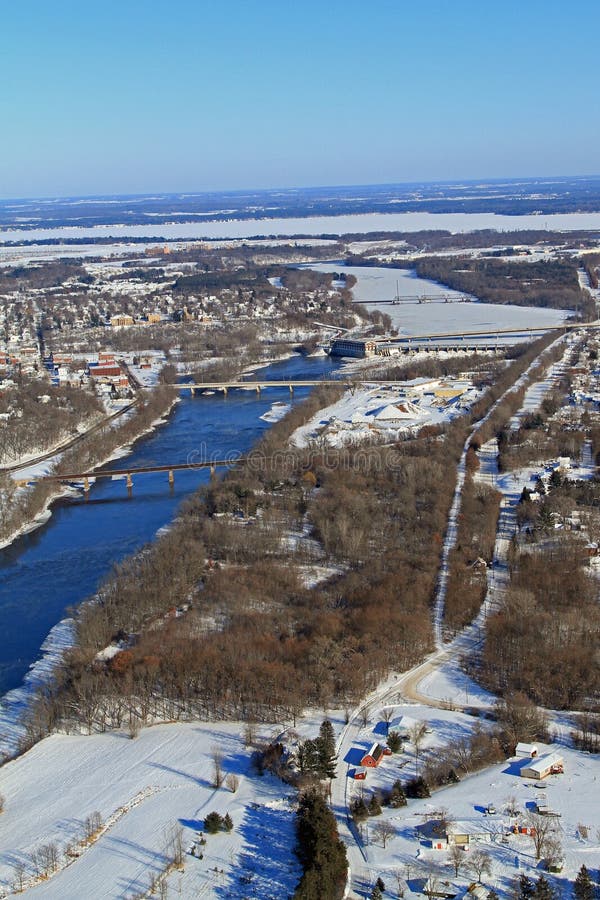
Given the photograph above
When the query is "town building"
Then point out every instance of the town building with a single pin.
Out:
(357, 349)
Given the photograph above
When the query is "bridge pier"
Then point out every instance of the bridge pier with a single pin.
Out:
(291, 387)
(86, 485)
(258, 389)
(129, 483)
(225, 390)
(171, 477)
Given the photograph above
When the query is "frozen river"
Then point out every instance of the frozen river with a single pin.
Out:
(379, 283)
(317, 225)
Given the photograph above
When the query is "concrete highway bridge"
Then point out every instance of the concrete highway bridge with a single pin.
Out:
(421, 298)
(471, 341)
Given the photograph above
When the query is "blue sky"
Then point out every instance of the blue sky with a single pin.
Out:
(138, 96)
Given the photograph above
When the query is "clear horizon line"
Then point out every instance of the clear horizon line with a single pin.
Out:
(291, 188)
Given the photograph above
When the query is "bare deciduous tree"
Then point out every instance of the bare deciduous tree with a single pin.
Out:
(363, 716)
(233, 782)
(480, 863)
(383, 831)
(417, 734)
(541, 829)
(48, 856)
(249, 734)
(457, 858)
(174, 844)
(19, 869)
(92, 825)
(217, 759)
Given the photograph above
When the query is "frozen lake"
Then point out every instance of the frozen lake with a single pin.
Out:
(357, 223)
(379, 283)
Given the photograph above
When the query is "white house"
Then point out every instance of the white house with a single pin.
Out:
(549, 764)
(467, 832)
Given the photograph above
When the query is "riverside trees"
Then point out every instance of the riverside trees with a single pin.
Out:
(251, 639)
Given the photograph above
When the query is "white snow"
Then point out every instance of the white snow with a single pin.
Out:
(385, 411)
(144, 787)
(315, 225)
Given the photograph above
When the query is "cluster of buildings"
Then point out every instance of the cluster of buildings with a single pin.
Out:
(103, 371)
(18, 362)
(390, 411)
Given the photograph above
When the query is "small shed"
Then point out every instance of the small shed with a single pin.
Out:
(526, 751)
(549, 764)
(373, 757)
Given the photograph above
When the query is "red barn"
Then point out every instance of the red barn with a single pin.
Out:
(372, 759)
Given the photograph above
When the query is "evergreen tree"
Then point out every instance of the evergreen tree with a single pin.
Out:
(320, 851)
(543, 890)
(525, 887)
(309, 757)
(397, 796)
(359, 810)
(213, 823)
(376, 893)
(227, 822)
(394, 742)
(374, 806)
(417, 788)
(583, 888)
(492, 895)
(326, 750)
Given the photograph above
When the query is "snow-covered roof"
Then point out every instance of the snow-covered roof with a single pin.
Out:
(543, 763)
(473, 827)
(524, 749)
(398, 411)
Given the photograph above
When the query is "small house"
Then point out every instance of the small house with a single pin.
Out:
(374, 756)
(526, 751)
(437, 887)
(549, 764)
(463, 833)
(360, 773)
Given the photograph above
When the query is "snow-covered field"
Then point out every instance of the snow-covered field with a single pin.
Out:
(146, 786)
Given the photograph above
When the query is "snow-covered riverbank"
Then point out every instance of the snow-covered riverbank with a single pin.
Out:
(66, 491)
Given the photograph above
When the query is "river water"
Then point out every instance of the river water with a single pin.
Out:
(63, 561)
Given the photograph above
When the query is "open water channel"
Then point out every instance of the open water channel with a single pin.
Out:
(62, 563)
